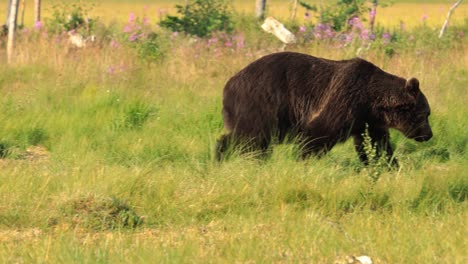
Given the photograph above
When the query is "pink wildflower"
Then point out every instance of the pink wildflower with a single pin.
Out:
(372, 14)
(110, 70)
(131, 18)
(212, 41)
(133, 37)
(364, 35)
(146, 21)
(114, 44)
(386, 37)
(240, 41)
(38, 25)
(355, 22)
(127, 29)
(349, 37)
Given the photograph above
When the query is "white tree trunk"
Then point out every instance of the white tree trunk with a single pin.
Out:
(11, 29)
(23, 8)
(294, 10)
(373, 12)
(37, 11)
(7, 20)
(444, 27)
(275, 27)
(260, 9)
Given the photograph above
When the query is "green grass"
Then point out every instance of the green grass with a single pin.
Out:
(105, 168)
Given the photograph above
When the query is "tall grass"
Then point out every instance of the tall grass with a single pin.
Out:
(411, 12)
(127, 174)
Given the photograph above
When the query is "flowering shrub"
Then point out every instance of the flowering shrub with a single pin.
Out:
(141, 35)
(338, 13)
(66, 17)
(200, 18)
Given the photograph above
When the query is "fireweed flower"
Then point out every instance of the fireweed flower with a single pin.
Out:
(364, 35)
(131, 18)
(114, 44)
(146, 21)
(372, 13)
(424, 17)
(356, 23)
(212, 40)
(302, 28)
(323, 31)
(240, 41)
(349, 37)
(127, 29)
(386, 37)
(133, 37)
(110, 70)
(38, 25)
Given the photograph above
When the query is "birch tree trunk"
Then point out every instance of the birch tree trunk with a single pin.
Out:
(7, 20)
(294, 10)
(260, 9)
(37, 11)
(444, 27)
(11, 29)
(23, 8)
(372, 14)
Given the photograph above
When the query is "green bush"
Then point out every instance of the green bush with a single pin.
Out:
(150, 49)
(338, 13)
(200, 18)
(68, 17)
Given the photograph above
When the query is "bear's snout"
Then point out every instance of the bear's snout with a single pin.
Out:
(425, 137)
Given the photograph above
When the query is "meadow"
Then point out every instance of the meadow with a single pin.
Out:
(107, 157)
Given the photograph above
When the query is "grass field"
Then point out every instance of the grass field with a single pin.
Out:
(108, 159)
(411, 12)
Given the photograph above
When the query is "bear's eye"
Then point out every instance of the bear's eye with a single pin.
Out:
(404, 108)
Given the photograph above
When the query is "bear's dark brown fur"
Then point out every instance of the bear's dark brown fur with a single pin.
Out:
(321, 102)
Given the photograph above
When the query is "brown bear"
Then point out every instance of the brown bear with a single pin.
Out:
(321, 102)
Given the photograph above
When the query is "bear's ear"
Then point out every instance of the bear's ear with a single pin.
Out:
(412, 85)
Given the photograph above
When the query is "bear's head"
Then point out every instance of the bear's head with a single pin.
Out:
(410, 115)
